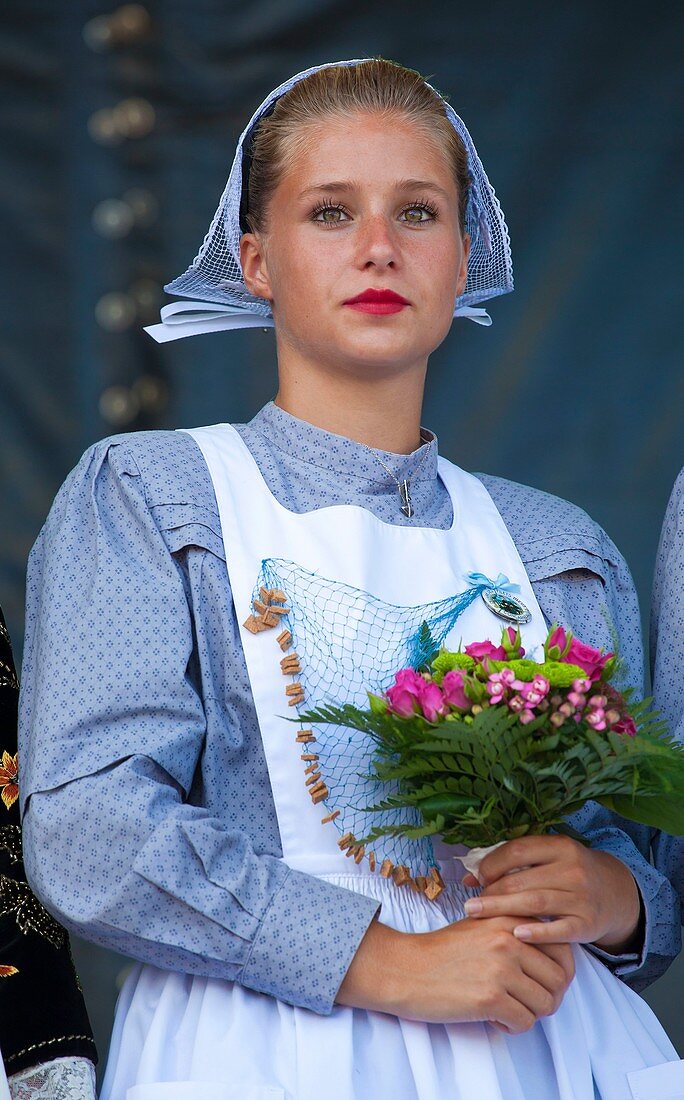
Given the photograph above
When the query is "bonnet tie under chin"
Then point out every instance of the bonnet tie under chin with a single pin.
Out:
(180, 319)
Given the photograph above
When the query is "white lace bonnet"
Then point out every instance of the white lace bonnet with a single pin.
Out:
(214, 279)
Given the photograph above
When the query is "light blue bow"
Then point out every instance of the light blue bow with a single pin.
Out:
(501, 584)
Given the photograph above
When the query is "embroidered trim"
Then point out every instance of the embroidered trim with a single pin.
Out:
(8, 677)
(16, 898)
(47, 1043)
(10, 842)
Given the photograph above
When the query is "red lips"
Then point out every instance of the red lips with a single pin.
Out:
(378, 301)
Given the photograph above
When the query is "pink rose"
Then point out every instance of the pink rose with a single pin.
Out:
(404, 694)
(413, 694)
(512, 636)
(479, 650)
(431, 701)
(590, 660)
(452, 688)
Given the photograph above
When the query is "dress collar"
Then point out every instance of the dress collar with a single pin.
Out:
(309, 444)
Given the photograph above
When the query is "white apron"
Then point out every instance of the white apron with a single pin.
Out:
(178, 1037)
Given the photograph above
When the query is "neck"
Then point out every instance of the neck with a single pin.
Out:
(383, 413)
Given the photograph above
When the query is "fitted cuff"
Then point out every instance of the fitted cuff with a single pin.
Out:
(306, 941)
(661, 922)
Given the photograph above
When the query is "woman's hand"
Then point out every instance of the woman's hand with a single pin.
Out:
(591, 895)
(468, 971)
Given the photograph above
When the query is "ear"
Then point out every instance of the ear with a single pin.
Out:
(463, 273)
(254, 268)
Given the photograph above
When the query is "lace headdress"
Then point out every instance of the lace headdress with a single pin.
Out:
(214, 279)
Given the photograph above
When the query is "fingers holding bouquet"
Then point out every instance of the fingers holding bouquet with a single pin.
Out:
(563, 892)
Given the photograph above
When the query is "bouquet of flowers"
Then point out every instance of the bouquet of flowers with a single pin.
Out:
(487, 745)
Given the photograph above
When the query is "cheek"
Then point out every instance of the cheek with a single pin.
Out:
(440, 269)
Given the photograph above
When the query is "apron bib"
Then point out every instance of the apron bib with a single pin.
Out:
(340, 570)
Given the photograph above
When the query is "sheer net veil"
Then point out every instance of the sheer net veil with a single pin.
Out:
(214, 279)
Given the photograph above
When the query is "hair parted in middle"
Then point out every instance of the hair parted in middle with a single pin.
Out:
(376, 87)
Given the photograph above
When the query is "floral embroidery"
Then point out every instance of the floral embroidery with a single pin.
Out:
(8, 971)
(8, 779)
(10, 842)
(16, 898)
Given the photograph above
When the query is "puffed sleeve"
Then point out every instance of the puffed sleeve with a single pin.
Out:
(112, 731)
(667, 655)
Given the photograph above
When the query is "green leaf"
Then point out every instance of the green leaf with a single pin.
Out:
(666, 814)
(446, 804)
(377, 704)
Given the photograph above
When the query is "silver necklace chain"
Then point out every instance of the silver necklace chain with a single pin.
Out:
(404, 486)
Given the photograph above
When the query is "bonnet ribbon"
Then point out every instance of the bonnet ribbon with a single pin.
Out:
(179, 319)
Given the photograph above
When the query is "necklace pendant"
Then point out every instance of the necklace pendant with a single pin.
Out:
(406, 506)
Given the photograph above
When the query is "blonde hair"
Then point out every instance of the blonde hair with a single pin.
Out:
(376, 86)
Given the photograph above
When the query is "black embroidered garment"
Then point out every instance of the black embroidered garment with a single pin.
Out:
(42, 1012)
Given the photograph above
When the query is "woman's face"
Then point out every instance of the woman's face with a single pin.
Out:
(365, 204)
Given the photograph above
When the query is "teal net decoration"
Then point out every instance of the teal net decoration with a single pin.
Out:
(349, 642)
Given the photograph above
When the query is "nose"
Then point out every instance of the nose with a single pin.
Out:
(376, 243)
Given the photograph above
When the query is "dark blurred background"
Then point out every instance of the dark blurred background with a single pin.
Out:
(117, 130)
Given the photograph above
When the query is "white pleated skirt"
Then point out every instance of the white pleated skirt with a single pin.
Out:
(178, 1037)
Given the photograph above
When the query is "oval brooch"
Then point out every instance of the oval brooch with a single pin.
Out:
(506, 606)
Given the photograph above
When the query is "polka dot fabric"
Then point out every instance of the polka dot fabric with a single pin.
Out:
(667, 654)
(142, 753)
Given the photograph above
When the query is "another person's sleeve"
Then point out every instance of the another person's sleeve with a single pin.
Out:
(667, 656)
(112, 726)
(601, 606)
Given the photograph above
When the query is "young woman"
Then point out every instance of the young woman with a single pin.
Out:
(202, 827)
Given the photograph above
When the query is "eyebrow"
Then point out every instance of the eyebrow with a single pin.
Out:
(346, 186)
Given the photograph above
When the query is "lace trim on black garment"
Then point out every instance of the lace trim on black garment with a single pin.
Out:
(61, 1079)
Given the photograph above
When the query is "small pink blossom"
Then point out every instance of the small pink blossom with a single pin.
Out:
(581, 686)
(453, 690)
(525, 717)
(532, 697)
(496, 693)
(541, 684)
(598, 702)
(517, 704)
(596, 719)
(577, 698)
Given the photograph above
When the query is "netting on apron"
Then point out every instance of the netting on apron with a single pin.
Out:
(349, 642)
